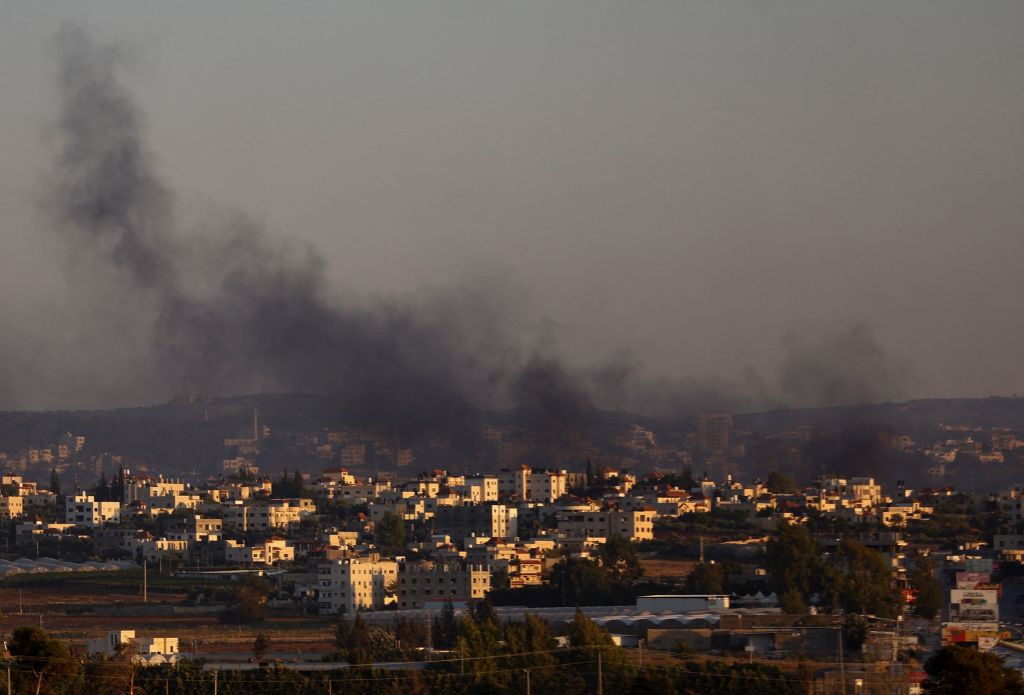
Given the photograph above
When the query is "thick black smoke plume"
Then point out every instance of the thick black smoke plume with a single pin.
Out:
(232, 312)
(227, 310)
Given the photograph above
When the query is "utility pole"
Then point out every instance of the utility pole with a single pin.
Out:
(430, 636)
(527, 672)
(701, 550)
(215, 673)
(145, 581)
(842, 664)
(600, 679)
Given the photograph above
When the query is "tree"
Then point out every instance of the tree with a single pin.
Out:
(410, 633)
(446, 626)
(117, 487)
(792, 602)
(112, 675)
(389, 532)
(619, 559)
(533, 639)
(55, 483)
(500, 579)
(780, 484)
(653, 683)
(793, 561)
(927, 592)
(248, 601)
(958, 670)
(584, 632)
(858, 580)
(101, 490)
(44, 659)
(580, 581)
(706, 578)
(353, 638)
(260, 646)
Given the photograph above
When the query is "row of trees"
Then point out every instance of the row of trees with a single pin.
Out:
(854, 579)
(485, 656)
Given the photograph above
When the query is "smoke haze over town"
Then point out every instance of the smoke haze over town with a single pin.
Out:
(668, 225)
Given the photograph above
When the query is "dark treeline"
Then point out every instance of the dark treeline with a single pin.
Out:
(486, 656)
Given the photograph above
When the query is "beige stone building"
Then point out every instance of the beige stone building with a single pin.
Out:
(432, 583)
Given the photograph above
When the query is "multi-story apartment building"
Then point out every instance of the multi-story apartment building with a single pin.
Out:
(512, 482)
(332, 489)
(481, 489)
(155, 549)
(141, 489)
(157, 505)
(354, 584)
(341, 476)
(633, 525)
(535, 485)
(196, 528)
(487, 520)
(11, 507)
(426, 582)
(714, 432)
(522, 565)
(84, 510)
(276, 514)
(353, 455)
(270, 552)
(412, 509)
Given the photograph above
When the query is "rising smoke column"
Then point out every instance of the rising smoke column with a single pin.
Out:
(234, 312)
(106, 192)
(263, 323)
(229, 310)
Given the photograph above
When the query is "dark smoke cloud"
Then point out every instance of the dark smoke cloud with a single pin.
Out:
(545, 393)
(820, 366)
(839, 365)
(225, 308)
(233, 311)
(106, 190)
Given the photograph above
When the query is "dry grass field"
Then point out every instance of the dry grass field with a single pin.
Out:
(667, 570)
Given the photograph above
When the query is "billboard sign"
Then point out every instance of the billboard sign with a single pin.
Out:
(970, 632)
(974, 605)
(970, 580)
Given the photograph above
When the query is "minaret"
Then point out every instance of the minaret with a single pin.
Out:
(255, 425)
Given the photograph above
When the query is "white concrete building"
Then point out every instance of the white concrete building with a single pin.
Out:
(84, 510)
(150, 651)
(358, 583)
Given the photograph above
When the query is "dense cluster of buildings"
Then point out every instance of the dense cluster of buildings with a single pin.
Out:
(350, 541)
(461, 530)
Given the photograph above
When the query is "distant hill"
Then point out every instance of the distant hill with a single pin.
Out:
(186, 434)
(917, 418)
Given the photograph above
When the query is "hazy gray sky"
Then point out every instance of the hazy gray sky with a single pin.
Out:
(690, 181)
